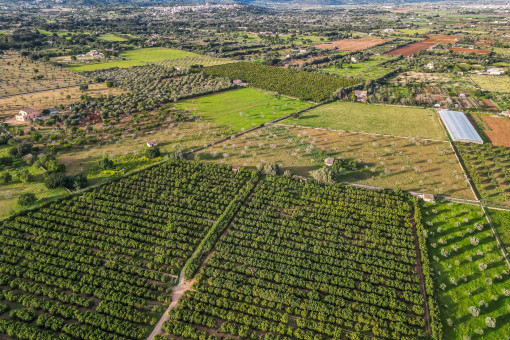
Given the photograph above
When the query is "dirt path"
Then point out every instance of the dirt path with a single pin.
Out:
(177, 293)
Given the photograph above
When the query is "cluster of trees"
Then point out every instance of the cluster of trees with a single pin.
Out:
(303, 85)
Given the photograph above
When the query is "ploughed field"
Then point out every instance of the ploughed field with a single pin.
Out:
(352, 45)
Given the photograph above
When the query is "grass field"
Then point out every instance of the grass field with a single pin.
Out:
(413, 31)
(501, 221)
(153, 54)
(503, 51)
(106, 65)
(187, 62)
(469, 270)
(492, 83)
(9, 193)
(388, 162)
(358, 117)
(363, 71)
(111, 38)
(242, 108)
(9, 106)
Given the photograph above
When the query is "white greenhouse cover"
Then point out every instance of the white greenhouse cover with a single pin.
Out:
(459, 127)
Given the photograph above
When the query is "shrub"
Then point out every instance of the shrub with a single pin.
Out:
(27, 199)
(475, 311)
(490, 322)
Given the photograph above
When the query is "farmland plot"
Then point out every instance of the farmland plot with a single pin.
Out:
(389, 162)
(489, 167)
(352, 45)
(499, 132)
(22, 75)
(101, 265)
(471, 276)
(303, 261)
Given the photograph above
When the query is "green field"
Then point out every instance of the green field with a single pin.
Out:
(413, 31)
(2, 32)
(501, 221)
(468, 270)
(243, 108)
(111, 38)
(364, 70)
(154, 54)
(493, 83)
(503, 51)
(104, 66)
(358, 117)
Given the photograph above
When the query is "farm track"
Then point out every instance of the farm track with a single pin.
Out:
(184, 285)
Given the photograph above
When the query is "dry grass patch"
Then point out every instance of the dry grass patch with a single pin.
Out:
(19, 75)
(391, 162)
(10, 106)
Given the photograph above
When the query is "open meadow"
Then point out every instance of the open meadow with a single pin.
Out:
(201, 60)
(21, 75)
(492, 83)
(10, 106)
(363, 70)
(242, 109)
(381, 119)
(153, 54)
(471, 277)
(389, 162)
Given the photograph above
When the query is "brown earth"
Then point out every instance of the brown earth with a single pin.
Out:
(352, 45)
(468, 50)
(499, 132)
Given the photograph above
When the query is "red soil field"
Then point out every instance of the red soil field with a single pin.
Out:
(413, 48)
(486, 43)
(444, 39)
(469, 50)
(433, 40)
(500, 130)
(352, 45)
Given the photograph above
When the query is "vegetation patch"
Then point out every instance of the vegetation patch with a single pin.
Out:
(112, 38)
(358, 117)
(302, 85)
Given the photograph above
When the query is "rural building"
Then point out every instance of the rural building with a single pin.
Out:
(95, 53)
(427, 198)
(329, 161)
(495, 71)
(361, 96)
(506, 113)
(27, 156)
(152, 144)
(459, 127)
(27, 114)
(430, 65)
(354, 60)
(301, 178)
(239, 82)
(236, 168)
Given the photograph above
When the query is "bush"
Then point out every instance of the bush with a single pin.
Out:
(270, 169)
(27, 199)
(324, 175)
(105, 163)
(490, 322)
(153, 152)
(55, 180)
(5, 178)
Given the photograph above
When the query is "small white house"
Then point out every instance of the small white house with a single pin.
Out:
(428, 198)
(329, 161)
(27, 114)
(152, 144)
(495, 71)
